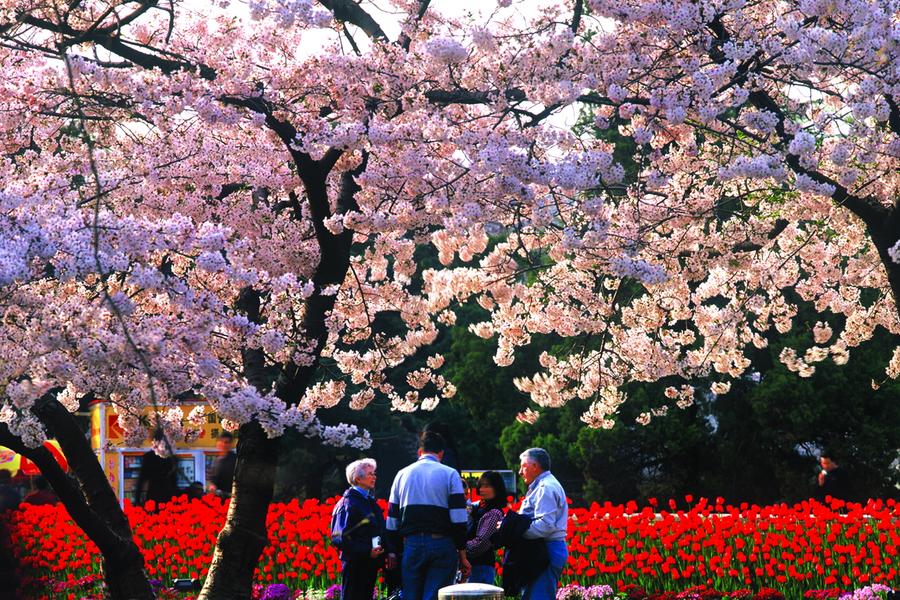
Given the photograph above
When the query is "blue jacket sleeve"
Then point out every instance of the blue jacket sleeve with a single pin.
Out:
(339, 517)
(343, 525)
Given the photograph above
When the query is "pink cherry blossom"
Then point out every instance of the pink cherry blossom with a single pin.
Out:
(147, 192)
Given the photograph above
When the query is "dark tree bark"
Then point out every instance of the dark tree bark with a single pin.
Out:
(882, 222)
(312, 486)
(885, 234)
(244, 536)
(123, 563)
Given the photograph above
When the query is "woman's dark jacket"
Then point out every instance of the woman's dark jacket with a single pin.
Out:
(479, 511)
(355, 520)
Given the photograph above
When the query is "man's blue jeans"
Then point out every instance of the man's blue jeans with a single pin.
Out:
(544, 586)
(483, 574)
(428, 565)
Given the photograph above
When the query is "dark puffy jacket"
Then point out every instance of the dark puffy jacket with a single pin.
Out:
(355, 520)
(523, 559)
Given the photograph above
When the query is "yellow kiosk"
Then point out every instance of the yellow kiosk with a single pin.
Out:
(471, 477)
(122, 463)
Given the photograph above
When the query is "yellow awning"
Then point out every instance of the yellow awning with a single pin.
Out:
(13, 462)
(9, 460)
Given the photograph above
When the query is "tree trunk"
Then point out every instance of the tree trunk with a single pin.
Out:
(123, 563)
(885, 234)
(312, 487)
(244, 535)
(124, 573)
(84, 464)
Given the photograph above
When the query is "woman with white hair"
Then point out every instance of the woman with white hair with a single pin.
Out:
(357, 526)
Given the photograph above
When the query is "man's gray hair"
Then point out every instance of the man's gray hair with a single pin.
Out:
(539, 456)
(358, 468)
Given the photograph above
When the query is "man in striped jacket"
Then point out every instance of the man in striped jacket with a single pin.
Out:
(427, 516)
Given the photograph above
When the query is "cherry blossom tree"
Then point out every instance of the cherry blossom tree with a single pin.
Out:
(220, 200)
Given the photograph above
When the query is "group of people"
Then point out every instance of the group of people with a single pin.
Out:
(433, 536)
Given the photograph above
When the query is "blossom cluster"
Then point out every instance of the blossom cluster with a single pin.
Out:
(164, 220)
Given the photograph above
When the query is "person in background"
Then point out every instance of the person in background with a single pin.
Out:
(9, 495)
(486, 517)
(545, 502)
(194, 491)
(832, 479)
(158, 478)
(223, 469)
(427, 511)
(357, 528)
(42, 495)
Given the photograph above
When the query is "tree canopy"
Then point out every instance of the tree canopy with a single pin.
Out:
(151, 180)
(225, 200)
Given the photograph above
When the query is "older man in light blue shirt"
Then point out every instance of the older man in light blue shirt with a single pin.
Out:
(545, 502)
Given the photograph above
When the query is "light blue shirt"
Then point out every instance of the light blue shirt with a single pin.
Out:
(362, 491)
(546, 503)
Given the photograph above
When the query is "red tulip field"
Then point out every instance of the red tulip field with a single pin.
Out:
(800, 550)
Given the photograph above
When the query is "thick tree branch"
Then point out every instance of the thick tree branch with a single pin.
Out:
(894, 117)
(351, 12)
(144, 6)
(114, 44)
(405, 40)
(603, 101)
(65, 488)
(882, 223)
(84, 463)
(332, 269)
(151, 61)
(872, 213)
(249, 303)
(780, 225)
(311, 172)
(463, 96)
(123, 563)
(576, 16)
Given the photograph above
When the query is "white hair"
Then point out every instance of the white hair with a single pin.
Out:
(358, 468)
(538, 456)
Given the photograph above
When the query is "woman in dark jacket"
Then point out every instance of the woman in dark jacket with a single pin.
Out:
(357, 526)
(486, 516)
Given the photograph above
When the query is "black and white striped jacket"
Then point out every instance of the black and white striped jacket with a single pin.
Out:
(427, 497)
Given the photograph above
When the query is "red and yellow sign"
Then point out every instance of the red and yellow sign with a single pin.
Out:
(106, 431)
